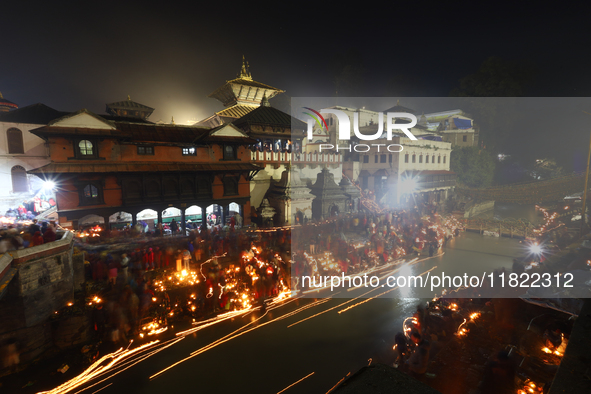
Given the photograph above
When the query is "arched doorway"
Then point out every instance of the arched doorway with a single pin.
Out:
(194, 216)
(299, 217)
(147, 219)
(120, 220)
(334, 210)
(89, 221)
(213, 215)
(168, 216)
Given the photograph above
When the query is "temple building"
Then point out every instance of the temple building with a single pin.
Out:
(113, 171)
(330, 199)
(278, 149)
(240, 96)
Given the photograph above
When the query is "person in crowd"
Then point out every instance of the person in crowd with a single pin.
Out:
(419, 359)
(124, 266)
(400, 349)
(49, 235)
(37, 239)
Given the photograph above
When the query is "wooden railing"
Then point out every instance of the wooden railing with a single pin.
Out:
(285, 157)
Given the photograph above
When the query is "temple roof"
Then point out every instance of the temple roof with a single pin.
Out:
(129, 109)
(129, 104)
(243, 89)
(6, 104)
(400, 108)
(325, 186)
(32, 114)
(236, 111)
(267, 115)
(103, 167)
(147, 133)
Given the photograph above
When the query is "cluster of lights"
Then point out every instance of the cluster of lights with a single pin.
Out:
(549, 221)
(530, 387)
(6, 221)
(91, 233)
(549, 351)
(153, 328)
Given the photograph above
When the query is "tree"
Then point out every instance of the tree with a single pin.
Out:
(474, 167)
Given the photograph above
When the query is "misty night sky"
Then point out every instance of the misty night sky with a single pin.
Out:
(171, 55)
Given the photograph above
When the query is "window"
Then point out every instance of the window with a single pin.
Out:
(230, 186)
(366, 159)
(438, 159)
(390, 158)
(406, 158)
(427, 159)
(229, 152)
(15, 141)
(145, 150)
(19, 179)
(414, 158)
(90, 191)
(465, 138)
(90, 194)
(433, 159)
(190, 151)
(382, 158)
(85, 148)
(443, 159)
(376, 158)
(420, 158)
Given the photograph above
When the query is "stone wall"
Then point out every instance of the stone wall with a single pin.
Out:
(474, 208)
(43, 284)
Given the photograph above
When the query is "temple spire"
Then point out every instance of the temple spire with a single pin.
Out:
(245, 70)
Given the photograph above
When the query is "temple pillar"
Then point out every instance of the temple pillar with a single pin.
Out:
(183, 222)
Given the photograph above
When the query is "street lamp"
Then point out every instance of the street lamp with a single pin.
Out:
(48, 185)
(408, 185)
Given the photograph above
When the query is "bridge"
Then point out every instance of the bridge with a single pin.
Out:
(536, 192)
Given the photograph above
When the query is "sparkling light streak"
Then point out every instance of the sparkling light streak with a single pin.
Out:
(293, 384)
(378, 295)
(237, 333)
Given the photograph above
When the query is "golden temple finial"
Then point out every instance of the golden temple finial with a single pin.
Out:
(1, 96)
(172, 120)
(129, 98)
(245, 70)
(398, 102)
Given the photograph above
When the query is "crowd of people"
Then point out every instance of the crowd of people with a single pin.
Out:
(22, 235)
(139, 279)
(355, 243)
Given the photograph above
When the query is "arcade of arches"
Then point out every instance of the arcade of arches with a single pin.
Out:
(187, 217)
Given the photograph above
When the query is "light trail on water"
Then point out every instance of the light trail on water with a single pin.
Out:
(293, 384)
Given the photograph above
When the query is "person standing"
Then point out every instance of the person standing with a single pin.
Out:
(174, 227)
(124, 266)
